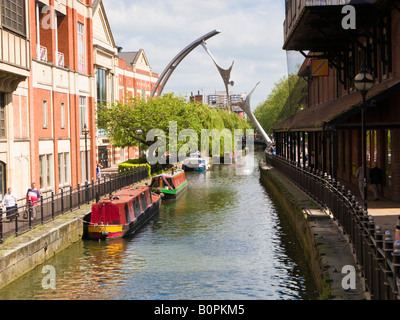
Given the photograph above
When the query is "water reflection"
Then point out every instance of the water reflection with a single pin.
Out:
(222, 239)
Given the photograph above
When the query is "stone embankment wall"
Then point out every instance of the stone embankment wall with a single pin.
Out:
(324, 246)
(19, 255)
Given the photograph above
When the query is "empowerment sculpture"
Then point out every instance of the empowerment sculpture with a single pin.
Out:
(245, 106)
(225, 74)
(164, 77)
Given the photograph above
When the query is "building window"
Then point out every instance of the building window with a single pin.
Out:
(2, 179)
(2, 116)
(101, 87)
(62, 112)
(49, 171)
(41, 170)
(112, 88)
(67, 175)
(83, 166)
(44, 108)
(63, 169)
(81, 48)
(101, 75)
(13, 15)
(82, 113)
(46, 171)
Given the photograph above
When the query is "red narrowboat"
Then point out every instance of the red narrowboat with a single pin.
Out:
(123, 213)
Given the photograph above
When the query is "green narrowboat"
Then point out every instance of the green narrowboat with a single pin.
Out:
(169, 184)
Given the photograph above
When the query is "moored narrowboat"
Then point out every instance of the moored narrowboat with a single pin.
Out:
(170, 185)
(123, 213)
(195, 163)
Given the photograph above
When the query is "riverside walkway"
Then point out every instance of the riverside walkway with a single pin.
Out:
(374, 248)
(384, 211)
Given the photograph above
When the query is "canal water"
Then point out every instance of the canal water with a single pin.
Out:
(223, 239)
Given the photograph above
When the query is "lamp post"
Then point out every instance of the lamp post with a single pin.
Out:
(363, 83)
(139, 133)
(85, 132)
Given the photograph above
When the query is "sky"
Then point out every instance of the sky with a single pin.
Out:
(251, 37)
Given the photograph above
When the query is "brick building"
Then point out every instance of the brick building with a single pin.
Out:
(327, 135)
(15, 124)
(61, 87)
(58, 62)
(119, 76)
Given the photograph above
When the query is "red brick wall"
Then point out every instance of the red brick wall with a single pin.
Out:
(65, 45)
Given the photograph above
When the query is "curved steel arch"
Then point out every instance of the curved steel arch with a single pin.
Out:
(225, 75)
(245, 106)
(163, 79)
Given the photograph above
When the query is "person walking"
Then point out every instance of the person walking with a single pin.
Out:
(375, 176)
(33, 194)
(360, 179)
(98, 171)
(10, 202)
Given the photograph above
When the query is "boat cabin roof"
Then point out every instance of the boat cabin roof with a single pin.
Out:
(125, 195)
(169, 175)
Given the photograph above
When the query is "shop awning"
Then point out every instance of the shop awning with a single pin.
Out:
(334, 111)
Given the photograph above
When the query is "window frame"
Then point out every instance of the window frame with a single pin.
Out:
(20, 21)
(3, 117)
(63, 169)
(44, 113)
(83, 116)
(62, 114)
(81, 47)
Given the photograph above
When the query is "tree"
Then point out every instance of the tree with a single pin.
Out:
(122, 120)
(286, 99)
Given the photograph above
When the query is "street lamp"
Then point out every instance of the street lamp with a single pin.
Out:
(363, 83)
(85, 132)
(139, 133)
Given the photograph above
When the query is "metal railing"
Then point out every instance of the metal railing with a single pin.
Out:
(21, 219)
(60, 59)
(375, 250)
(42, 53)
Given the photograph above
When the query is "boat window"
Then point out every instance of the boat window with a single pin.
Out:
(143, 200)
(127, 215)
(167, 182)
(136, 207)
(149, 198)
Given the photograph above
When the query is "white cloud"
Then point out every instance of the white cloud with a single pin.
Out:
(251, 35)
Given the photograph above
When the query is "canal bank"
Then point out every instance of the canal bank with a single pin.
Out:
(19, 255)
(211, 243)
(324, 246)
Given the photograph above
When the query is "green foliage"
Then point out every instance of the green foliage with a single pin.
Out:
(142, 160)
(122, 120)
(126, 166)
(285, 100)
